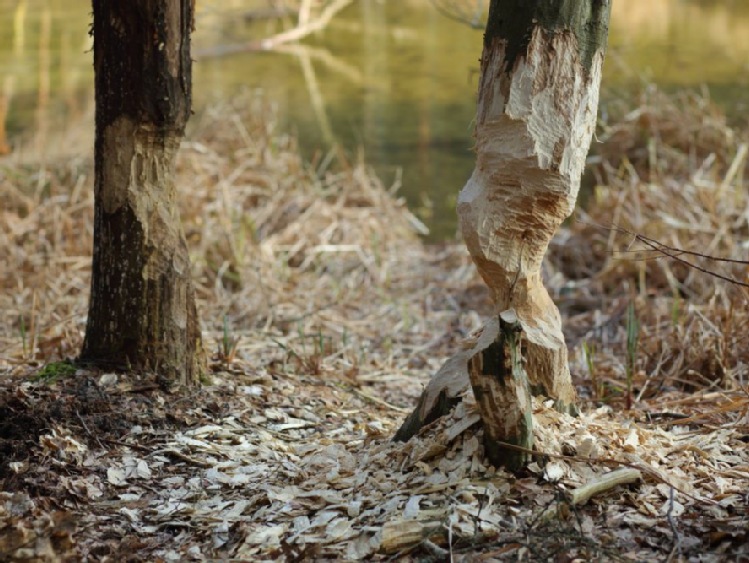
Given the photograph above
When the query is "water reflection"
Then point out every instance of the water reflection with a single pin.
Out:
(394, 77)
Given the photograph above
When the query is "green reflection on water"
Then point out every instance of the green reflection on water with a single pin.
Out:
(395, 77)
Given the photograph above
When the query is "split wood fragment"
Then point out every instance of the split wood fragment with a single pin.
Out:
(503, 395)
(403, 534)
(601, 484)
(621, 476)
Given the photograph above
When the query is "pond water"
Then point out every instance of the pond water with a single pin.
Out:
(393, 78)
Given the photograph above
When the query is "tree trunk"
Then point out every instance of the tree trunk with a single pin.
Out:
(142, 312)
(537, 105)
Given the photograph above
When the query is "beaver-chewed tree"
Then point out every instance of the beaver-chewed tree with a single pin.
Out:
(142, 312)
(537, 105)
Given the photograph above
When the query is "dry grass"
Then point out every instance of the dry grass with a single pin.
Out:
(323, 254)
(671, 170)
(320, 254)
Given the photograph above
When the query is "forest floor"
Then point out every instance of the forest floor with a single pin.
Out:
(325, 314)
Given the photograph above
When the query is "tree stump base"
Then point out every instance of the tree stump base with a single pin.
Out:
(492, 365)
(500, 385)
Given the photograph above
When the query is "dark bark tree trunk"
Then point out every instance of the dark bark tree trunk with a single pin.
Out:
(142, 312)
(537, 105)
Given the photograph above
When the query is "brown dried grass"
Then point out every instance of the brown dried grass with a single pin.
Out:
(303, 259)
(319, 260)
(672, 170)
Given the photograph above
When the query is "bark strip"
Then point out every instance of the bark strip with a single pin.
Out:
(446, 388)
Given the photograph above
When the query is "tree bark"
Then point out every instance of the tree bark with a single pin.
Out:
(142, 312)
(537, 105)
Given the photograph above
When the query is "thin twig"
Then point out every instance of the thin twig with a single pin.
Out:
(85, 427)
(672, 523)
(659, 246)
(674, 254)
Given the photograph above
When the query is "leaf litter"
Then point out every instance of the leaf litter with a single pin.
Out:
(325, 315)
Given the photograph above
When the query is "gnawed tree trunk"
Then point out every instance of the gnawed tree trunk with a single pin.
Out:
(537, 104)
(538, 99)
(142, 312)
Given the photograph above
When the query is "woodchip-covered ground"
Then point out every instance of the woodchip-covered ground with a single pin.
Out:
(325, 314)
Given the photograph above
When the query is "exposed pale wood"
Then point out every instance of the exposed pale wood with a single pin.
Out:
(601, 484)
(621, 476)
(500, 385)
(305, 10)
(402, 534)
(307, 27)
(532, 135)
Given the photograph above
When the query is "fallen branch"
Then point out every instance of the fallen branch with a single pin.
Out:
(306, 26)
(403, 534)
(610, 461)
(601, 484)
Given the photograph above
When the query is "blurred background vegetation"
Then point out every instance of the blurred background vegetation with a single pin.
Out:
(395, 79)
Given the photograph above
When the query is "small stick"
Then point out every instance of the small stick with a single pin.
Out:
(621, 476)
(581, 495)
